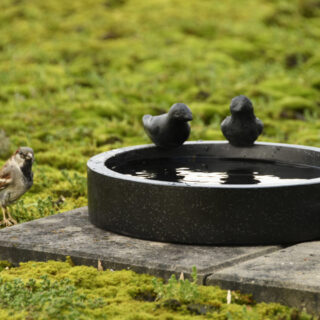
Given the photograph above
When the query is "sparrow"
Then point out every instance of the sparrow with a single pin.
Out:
(16, 178)
(242, 128)
(171, 129)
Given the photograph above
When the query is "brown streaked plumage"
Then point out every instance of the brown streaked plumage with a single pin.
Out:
(16, 178)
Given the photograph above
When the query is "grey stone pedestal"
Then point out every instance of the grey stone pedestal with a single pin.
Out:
(288, 275)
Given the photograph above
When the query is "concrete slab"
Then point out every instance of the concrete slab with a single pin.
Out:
(71, 234)
(290, 276)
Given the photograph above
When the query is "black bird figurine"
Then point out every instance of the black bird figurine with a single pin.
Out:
(169, 130)
(242, 128)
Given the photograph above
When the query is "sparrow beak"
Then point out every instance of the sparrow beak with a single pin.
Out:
(29, 156)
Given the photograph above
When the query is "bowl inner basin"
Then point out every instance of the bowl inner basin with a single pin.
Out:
(215, 171)
(214, 164)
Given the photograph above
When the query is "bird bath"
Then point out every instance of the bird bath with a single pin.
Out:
(208, 193)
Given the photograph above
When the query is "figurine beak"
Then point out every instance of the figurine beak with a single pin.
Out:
(189, 117)
(243, 108)
(237, 108)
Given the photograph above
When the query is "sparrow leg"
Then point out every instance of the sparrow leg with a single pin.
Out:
(12, 220)
(5, 221)
(3, 216)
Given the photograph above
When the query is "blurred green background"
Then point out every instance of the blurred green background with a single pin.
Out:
(77, 76)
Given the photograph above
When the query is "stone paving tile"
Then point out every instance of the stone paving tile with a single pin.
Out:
(71, 234)
(290, 276)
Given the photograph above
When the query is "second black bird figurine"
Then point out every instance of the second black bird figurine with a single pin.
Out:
(242, 128)
(169, 130)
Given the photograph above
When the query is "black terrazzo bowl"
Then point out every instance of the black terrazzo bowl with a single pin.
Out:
(227, 214)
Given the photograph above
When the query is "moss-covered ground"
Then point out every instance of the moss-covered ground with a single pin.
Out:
(77, 76)
(58, 290)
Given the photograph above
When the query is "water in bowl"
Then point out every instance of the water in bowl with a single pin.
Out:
(213, 171)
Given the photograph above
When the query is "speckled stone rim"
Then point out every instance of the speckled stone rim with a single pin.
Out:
(288, 153)
(259, 214)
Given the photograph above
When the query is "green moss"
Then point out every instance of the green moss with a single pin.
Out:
(77, 76)
(239, 49)
(295, 107)
(59, 290)
(309, 8)
(4, 265)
